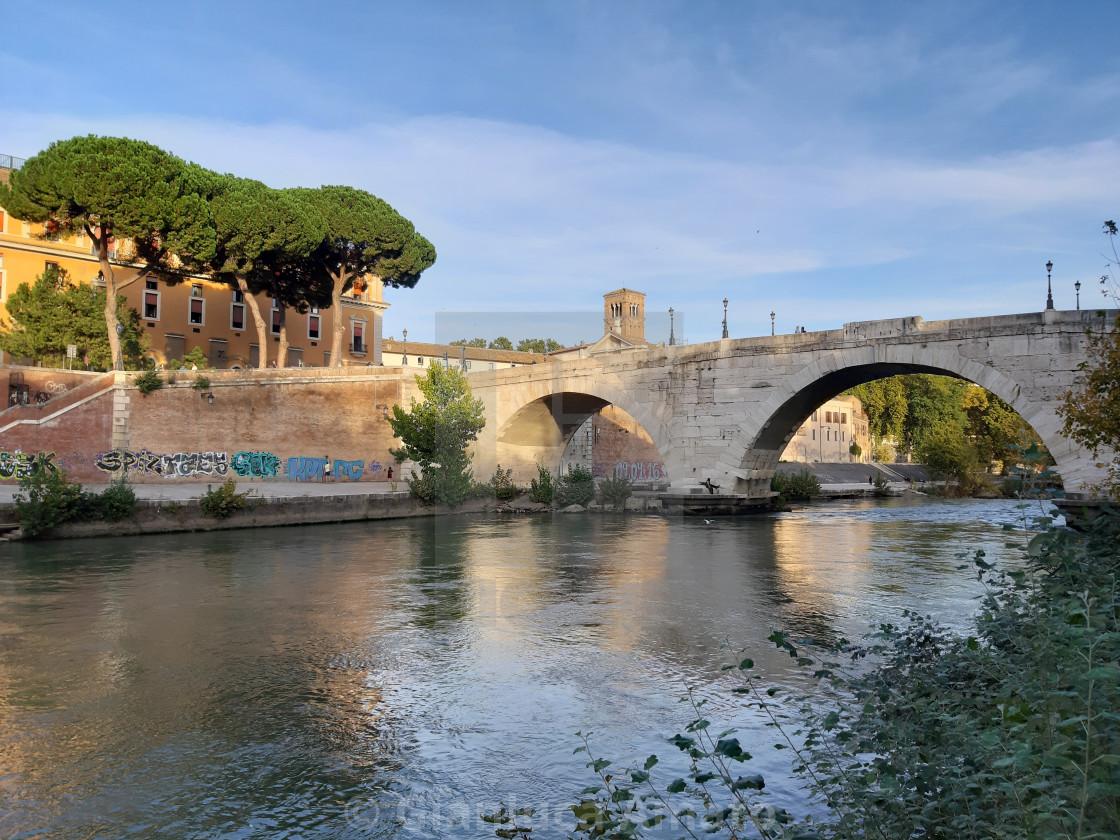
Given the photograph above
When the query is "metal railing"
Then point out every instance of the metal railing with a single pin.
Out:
(11, 162)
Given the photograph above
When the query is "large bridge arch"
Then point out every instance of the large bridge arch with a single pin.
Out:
(801, 393)
(537, 418)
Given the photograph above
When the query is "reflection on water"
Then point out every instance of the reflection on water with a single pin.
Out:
(399, 678)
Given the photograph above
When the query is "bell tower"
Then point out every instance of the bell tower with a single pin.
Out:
(624, 315)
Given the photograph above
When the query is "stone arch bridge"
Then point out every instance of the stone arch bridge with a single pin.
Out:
(725, 410)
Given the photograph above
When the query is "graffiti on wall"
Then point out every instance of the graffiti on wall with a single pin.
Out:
(255, 464)
(178, 465)
(245, 464)
(21, 465)
(640, 470)
(306, 469)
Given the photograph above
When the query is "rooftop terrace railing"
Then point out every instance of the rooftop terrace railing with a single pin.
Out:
(11, 162)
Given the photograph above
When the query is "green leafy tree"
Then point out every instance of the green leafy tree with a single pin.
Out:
(953, 459)
(53, 313)
(1091, 410)
(933, 406)
(195, 358)
(115, 189)
(434, 434)
(538, 345)
(995, 428)
(363, 236)
(262, 239)
(884, 403)
(501, 343)
(474, 342)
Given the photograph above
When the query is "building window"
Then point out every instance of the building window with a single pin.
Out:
(420, 361)
(196, 290)
(358, 331)
(814, 417)
(814, 434)
(275, 318)
(198, 310)
(151, 304)
(491, 366)
(51, 265)
(237, 311)
(313, 320)
(3, 220)
(844, 417)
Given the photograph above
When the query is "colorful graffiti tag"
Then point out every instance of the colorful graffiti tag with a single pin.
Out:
(245, 464)
(255, 464)
(22, 465)
(178, 465)
(306, 469)
(640, 471)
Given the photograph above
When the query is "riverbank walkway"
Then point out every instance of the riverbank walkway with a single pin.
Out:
(183, 491)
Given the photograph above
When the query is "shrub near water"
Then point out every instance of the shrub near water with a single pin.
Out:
(615, 490)
(800, 487)
(577, 487)
(46, 500)
(540, 488)
(223, 502)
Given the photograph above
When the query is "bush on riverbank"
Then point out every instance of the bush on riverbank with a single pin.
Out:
(48, 499)
(1010, 731)
(577, 487)
(540, 488)
(795, 487)
(615, 490)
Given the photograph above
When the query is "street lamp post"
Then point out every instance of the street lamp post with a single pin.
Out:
(1077, 289)
(771, 322)
(672, 338)
(404, 349)
(725, 317)
(1049, 294)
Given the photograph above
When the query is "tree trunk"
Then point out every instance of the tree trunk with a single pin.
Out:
(282, 352)
(339, 327)
(262, 330)
(112, 324)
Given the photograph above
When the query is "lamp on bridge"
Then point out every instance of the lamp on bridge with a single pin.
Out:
(771, 322)
(1077, 290)
(725, 317)
(1049, 294)
(404, 347)
(672, 338)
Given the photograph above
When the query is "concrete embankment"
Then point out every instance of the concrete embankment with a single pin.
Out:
(842, 481)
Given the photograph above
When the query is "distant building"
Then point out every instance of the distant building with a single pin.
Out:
(828, 434)
(420, 354)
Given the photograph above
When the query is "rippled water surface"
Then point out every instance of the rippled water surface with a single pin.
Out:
(395, 679)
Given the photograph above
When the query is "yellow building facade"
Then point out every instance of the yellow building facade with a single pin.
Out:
(197, 312)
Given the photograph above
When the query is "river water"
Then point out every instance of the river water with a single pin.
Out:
(398, 678)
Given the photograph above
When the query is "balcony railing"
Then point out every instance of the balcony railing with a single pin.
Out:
(11, 162)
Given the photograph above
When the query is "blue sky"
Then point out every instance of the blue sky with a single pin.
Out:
(827, 161)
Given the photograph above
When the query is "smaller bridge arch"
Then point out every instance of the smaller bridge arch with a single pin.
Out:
(537, 419)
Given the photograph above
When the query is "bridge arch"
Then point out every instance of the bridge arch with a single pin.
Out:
(779, 417)
(541, 417)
